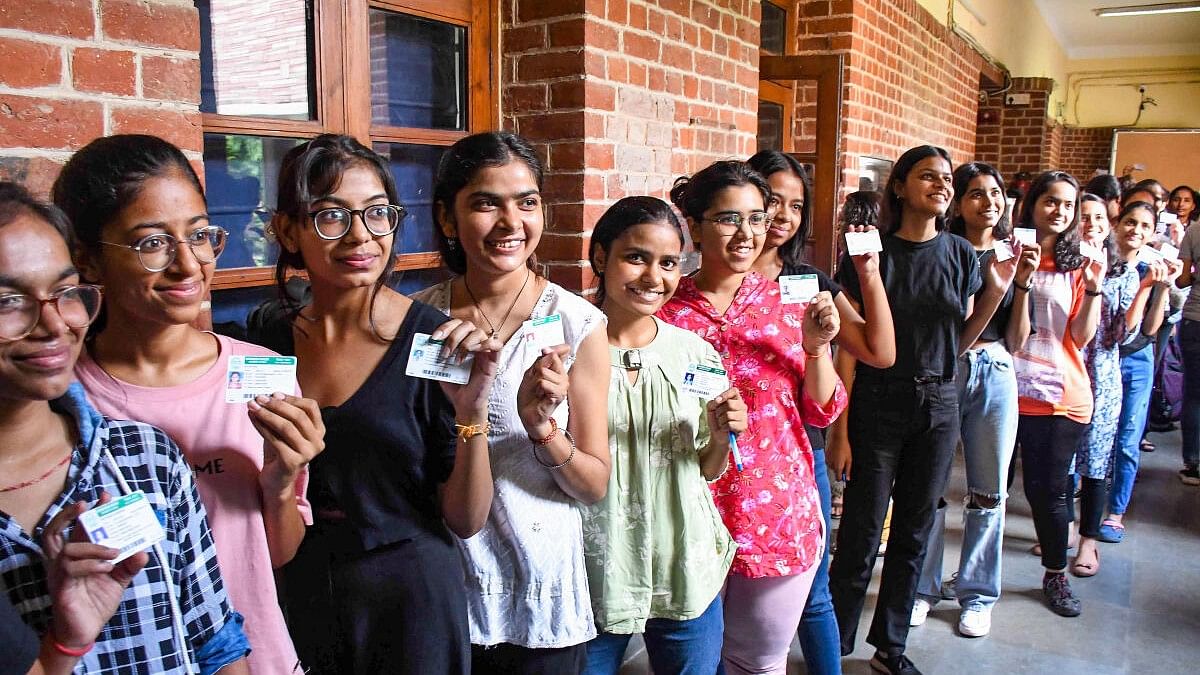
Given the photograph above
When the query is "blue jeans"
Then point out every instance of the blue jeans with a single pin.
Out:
(689, 647)
(819, 637)
(1137, 379)
(1189, 341)
(987, 400)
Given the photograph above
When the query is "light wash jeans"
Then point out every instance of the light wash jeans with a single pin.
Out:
(987, 400)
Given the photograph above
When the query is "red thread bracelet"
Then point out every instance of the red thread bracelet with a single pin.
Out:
(547, 439)
(67, 651)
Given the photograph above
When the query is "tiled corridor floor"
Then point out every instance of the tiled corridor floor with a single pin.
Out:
(1141, 613)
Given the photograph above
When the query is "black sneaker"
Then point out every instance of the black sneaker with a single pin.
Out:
(1058, 594)
(1189, 476)
(893, 665)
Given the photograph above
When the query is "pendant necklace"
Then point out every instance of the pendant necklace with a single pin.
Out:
(496, 329)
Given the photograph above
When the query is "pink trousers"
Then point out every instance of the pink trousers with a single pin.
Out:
(761, 618)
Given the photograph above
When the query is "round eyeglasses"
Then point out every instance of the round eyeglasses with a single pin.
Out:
(381, 220)
(21, 313)
(728, 224)
(157, 252)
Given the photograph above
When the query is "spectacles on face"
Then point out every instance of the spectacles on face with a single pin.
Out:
(157, 252)
(20, 313)
(380, 219)
(728, 224)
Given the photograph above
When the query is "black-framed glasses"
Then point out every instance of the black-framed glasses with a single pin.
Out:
(380, 219)
(156, 252)
(20, 313)
(729, 223)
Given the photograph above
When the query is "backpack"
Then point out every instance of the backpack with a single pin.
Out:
(1166, 398)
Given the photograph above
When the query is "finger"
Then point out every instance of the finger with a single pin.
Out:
(82, 550)
(127, 569)
(85, 567)
(443, 330)
(52, 536)
(289, 424)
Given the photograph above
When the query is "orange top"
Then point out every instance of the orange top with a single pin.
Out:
(1051, 376)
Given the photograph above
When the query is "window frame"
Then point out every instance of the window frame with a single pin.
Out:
(341, 49)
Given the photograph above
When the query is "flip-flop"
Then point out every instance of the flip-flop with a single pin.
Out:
(1084, 570)
(1111, 532)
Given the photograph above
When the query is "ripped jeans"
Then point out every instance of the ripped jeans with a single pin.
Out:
(987, 399)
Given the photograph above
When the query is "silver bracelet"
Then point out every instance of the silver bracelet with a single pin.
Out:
(571, 456)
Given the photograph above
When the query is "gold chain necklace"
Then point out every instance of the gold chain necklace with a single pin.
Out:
(496, 329)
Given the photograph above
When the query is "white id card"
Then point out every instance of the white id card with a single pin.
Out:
(858, 243)
(1026, 235)
(1168, 251)
(250, 376)
(795, 289)
(707, 382)
(1092, 252)
(545, 332)
(424, 361)
(1003, 249)
(1148, 255)
(127, 523)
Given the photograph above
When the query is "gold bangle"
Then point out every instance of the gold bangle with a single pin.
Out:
(468, 431)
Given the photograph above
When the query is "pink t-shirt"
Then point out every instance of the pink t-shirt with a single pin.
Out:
(226, 455)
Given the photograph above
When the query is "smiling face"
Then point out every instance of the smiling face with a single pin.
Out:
(34, 260)
(165, 204)
(1182, 204)
(982, 205)
(641, 269)
(729, 253)
(1134, 230)
(928, 188)
(497, 219)
(787, 204)
(1093, 221)
(1054, 209)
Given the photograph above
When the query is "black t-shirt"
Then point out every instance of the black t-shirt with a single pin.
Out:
(20, 642)
(387, 447)
(997, 328)
(928, 286)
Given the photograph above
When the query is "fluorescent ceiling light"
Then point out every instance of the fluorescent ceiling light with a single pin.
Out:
(1152, 8)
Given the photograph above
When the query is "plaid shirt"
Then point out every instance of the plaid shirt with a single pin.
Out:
(140, 637)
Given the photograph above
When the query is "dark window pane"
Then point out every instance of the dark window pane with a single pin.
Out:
(774, 27)
(770, 126)
(230, 308)
(418, 72)
(256, 58)
(240, 175)
(411, 281)
(413, 167)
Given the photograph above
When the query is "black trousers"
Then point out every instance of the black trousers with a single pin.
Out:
(1093, 502)
(1048, 445)
(510, 659)
(902, 439)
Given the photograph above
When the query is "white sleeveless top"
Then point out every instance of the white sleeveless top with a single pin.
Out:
(526, 580)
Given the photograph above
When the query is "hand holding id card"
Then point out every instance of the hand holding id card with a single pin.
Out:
(797, 289)
(858, 243)
(425, 361)
(127, 524)
(707, 382)
(247, 377)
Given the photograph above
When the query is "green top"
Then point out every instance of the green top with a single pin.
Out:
(655, 546)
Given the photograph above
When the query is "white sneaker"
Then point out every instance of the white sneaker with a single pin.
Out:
(975, 621)
(920, 610)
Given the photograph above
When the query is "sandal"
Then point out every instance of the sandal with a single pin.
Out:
(1146, 446)
(1085, 570)
(1111, 532)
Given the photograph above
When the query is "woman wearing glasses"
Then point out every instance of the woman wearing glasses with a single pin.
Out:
(138, 212)
(777, 355)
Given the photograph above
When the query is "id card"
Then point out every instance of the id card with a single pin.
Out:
(1148, 255)
(795, 289)
(127, 523)
(1026, 235)
(425, 361)
(545, 332)
(251, 376)
(858, 243)
(1168, 251)
(1003, 249)
(707, 382)
(1092, 252)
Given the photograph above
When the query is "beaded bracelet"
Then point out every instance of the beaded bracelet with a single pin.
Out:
(571, 456)
(549, 437)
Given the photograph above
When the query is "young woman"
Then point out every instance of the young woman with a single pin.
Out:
(1108, 189)
(778, 358)
(903, 420)
(1123, 304)
(1189, 340)
(58, 454)
(1135, 229)
(138, 212)
(657, 551)
(987, 400)
(377, 584)
(870, 340)
(529, 605)
(1055, 397)
(1184, 202)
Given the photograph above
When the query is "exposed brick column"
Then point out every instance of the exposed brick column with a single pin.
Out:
(78, 69)
(1085, 150)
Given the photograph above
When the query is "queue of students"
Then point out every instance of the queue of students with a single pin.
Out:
(659, 468)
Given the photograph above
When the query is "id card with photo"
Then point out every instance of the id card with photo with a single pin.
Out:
(858, 243)
(425, 361)
(251, 376)
(707, 382)
(544, 332)
(127, 524)
(796, 289)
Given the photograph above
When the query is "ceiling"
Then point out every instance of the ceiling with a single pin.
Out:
(1086, 36)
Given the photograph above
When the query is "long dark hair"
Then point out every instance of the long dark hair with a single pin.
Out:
(770, 162)
(1116, 264)
(311, 172)
(1105, 186)
(1066, 244)
(627, 212)
(458, 167)
(693, 196)
(1195, 214)
(963, 176)
(893, 207)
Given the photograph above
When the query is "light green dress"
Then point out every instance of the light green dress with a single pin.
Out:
(655, 546)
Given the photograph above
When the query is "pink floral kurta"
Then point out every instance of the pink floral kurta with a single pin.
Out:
(771, 507)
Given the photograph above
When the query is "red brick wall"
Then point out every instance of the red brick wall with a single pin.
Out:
(621, 97)
(1085, 150)
(78, 69)
(1020, 137)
